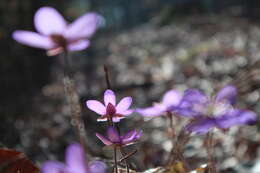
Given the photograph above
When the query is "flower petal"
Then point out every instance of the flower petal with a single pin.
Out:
(151, 111)
(171, 98)
(104, 139)
(138, 135)
(48, 21)
(201, 126)
(101, 119)
(33, 39)
(236, 117)
(79, 45)
(131, 137)
(117, 119)
(96, 106)
(228, 93)
(113, 135)
(75, 159)
(185, 112)
(221, 108)
(97, 167)
(83, 27)
(123, 105)
(127, 112)
(52, 167)
(194, 103)
(195, 96)
(109, 97)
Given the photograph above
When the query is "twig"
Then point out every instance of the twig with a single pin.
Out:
(128, 155)
(125, 160)
(107, 77)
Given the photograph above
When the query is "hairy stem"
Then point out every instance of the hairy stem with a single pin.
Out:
(177, 150)
(172, 152)
(210, 152)
(115, 160)
(73, 100)
(169, 115)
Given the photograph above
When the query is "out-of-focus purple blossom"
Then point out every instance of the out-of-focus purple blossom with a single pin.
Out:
(55, 35)
(75, 162)
(111, 110)
(113, 137)
(217, 112)
(170, 102)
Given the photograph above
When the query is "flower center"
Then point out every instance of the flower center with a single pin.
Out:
(111, 110)
(218, 108)
(59, 40)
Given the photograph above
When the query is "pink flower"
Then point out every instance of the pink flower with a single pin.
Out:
(113, 137)
(110, 109)
(55, 35)
(75, 162)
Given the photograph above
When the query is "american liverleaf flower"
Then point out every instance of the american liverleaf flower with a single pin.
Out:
(170, 102)
(75, 162)
(217, 112)
(110, 110)
(55, 35)
(114, 139)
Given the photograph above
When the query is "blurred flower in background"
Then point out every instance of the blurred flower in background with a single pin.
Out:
(170, 102)
(218, 112)
(75, 162)
(55, 35)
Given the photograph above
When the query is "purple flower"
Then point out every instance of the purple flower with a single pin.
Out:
(111, 110)
(170, 102)
(55, 35)
(113, 137)
(75, 162)
(217, 112)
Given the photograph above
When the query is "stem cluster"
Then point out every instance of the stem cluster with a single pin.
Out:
(111, 123)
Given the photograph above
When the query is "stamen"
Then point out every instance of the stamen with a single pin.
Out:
(111, 110)
(59, 40)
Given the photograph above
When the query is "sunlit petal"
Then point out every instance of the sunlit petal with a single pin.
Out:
(109, 97)
(123, 105)
(48, 21)
(33, 39)
(96, 106)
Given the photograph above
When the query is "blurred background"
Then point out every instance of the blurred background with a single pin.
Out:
(149, 46)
